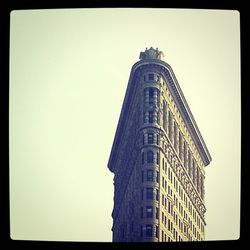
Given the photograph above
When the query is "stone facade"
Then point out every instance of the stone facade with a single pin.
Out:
(158, 158)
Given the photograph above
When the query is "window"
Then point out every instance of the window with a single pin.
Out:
(149, 231)
(144, 117)
(143, 139)
(157, 213)
(157, 158)
(157, 176)
(165, 116)
(141, 231)
(150, 77)
(149, 194)
(142, 158)
(157, 139)
(142, 176)
(149, 212)
(141, 212)
(150, 117)
(132, 226)
(175, 136)
(158, 117)
(180, 146)
(169, 207)
(150, 157)
(150, 138)
(149, 175)
(170, 124)
(151, 96)
(142, 194)
(157, 195)
(185, 154)
(156, 232)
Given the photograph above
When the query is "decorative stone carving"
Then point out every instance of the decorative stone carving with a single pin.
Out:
(152, 54)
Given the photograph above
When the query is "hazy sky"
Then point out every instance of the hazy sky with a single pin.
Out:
(69, 71)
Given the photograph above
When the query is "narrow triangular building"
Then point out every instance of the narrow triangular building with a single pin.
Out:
(158, 159)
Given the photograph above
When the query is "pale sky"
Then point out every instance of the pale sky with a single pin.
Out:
(69, 71)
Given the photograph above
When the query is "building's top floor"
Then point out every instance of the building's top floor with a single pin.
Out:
(154, 58)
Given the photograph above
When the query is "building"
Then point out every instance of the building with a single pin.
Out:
(158, 159)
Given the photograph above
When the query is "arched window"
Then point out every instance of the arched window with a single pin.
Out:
(150, 157)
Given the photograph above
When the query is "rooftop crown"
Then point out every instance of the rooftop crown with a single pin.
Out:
(152, 54)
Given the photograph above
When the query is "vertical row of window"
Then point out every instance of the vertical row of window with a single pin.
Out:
(151, 100)
(170, 126)
(165, 116)
(164, 237)
(180, 145)
(181, 209)
(167, 222)
(187, 158)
